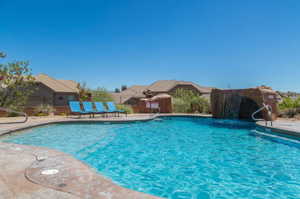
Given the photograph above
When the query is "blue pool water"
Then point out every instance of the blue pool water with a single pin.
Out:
(180, 158)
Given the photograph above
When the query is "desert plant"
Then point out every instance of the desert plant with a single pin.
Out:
(289, 113)
(44, 110)
(187, 101)
(289, 107)
(289, 103)
(200, 104)
(125, 108)
(12, 114)
(62, 114)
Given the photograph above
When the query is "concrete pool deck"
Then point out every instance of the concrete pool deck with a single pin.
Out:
(283, 126)
(22, 176)
(22, 166)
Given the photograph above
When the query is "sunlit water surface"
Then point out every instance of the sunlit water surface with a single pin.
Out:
(180, 157)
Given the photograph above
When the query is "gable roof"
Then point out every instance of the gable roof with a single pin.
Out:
(167, 85)
(135, 91)
(160, 86)
(60, 86)
(70, 83)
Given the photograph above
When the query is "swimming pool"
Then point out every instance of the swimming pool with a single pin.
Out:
(180, 157)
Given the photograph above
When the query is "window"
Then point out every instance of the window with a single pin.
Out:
(60, 97)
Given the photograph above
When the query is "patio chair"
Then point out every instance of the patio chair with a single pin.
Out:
(75, 108)
(113, 109)
(88, 107)
(100, 108)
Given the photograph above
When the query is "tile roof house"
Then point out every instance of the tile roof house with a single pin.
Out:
(132, 95)
(53, 92)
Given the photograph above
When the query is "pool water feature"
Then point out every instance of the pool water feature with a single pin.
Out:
(180, 157)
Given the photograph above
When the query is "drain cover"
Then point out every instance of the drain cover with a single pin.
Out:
(41, 158)
(49, 172)
(62, 185)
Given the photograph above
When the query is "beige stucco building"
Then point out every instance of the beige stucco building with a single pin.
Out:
(132, 95)
(53, 92)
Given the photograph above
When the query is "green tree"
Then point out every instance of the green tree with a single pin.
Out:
(117, 90)
(2, 55)
(187, 101)
(16, 84)
(123, 87)
(84, 92)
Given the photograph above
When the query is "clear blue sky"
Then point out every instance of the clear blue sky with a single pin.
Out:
(108, 43)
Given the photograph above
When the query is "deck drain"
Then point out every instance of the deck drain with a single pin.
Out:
(41, 158)
(62, 185)
(49, 172)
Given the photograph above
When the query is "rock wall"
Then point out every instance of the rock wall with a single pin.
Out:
(241, 103)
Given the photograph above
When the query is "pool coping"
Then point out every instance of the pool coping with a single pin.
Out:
(279, 129)
(144, 117)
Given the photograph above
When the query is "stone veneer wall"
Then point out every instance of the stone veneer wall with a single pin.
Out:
(226, 103)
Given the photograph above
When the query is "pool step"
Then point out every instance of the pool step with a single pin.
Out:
(92, 148)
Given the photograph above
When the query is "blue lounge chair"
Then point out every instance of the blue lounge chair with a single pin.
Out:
(75, 108)
(113, 109)
(100, 108)
(88, 107)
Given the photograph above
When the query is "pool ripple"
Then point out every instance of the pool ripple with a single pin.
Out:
(178, 158)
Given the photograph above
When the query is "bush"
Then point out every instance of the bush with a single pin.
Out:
(12, 114)
(180, 106)
(62, 114)
(125, 108)
(289, 103)
(187, 101)
(289, 108)
(44, 110)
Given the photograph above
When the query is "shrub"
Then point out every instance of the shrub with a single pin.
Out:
(180, 106)
(125, 108)
(44, 110)
(62, 114)
(187, 101)
(289, 107)
(289, 103)
(12, 114)
(288, 113)
(15, 108)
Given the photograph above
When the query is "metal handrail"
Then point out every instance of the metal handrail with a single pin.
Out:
(268, 108)
(17, 112)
